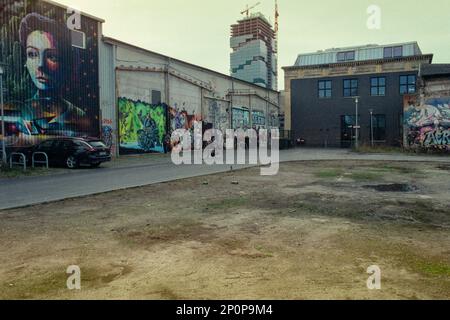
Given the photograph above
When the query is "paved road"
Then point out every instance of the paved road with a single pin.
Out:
(139, 171)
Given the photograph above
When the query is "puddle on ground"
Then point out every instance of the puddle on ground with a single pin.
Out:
(393, 187)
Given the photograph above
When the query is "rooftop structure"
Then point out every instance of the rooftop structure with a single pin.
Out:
(358, 53)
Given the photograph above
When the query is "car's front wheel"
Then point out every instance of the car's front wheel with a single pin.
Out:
(71, 162)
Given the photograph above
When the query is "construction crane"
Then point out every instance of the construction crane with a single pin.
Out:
(277, 16)
(247, 11)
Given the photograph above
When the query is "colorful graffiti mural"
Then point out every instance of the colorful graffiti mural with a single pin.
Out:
(181, 119)
(51, 86)
(108, 135)
(142, 126)
(427, 124)
(259, 119)
(241, 118)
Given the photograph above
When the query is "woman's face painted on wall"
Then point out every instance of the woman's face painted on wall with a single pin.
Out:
(43, 60)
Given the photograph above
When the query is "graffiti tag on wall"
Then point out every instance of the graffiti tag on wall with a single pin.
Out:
(241, 118)
(427, 124)
(259, 119)
(108, 135)
(142, 126)
(437, 138)
(51, 86)
(181, 119)
(218, 116)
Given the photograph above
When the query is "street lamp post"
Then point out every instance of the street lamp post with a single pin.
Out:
(356, 124)
(4, 159)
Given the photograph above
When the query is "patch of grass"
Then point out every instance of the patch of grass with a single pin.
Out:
(7, 173)
(54, 282)
(401, 170)
(309, 207)
(36, 286)
(329, 174)
(428, 266)
(366, 176)
(228, 203)
(266, 252)
(434, 268)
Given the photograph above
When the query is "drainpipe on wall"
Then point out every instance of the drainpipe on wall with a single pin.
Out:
(251, 110)
(201, 104)
(231, 105)
(116, 102)
(267, 110)
(167, 82)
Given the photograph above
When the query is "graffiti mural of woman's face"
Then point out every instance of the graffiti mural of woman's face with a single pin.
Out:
(43, 62)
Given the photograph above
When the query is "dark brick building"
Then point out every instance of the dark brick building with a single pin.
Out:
(321, 90)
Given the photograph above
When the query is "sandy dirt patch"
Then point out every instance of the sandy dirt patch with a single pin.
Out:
(309, 233)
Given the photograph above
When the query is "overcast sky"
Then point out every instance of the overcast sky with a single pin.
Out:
(198, 31)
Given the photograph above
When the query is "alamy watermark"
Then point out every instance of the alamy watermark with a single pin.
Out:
(74, 280)
(74, 19)
(374, 281)
(227, 148)
(374, 19)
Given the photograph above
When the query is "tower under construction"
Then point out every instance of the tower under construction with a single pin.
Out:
(254, 56)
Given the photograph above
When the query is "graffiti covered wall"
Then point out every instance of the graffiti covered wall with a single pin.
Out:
(185, 104)
(427, 123)
(142, 126)
(51, 86)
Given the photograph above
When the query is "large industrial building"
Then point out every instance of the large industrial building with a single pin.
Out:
(144, 95)
(102, 87)
(254, 56)
(321, 88)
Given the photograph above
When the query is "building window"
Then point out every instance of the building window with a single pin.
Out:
(325, 89)
(346, 56)
(156, 97)
(398, 52)
(378, 87)
(78, 39)
(408, 84)
(350, 88)
(393, 52)
(379, 127)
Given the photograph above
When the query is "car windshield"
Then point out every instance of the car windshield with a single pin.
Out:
(97, 144)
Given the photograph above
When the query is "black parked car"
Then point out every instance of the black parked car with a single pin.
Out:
(73, 152)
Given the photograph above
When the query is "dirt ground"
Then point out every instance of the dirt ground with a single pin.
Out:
(309, 233)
